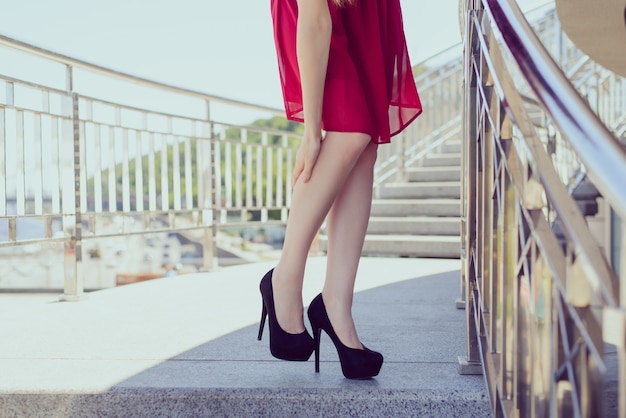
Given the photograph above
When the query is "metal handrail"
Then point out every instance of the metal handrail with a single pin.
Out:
(543, 299)
(435, 57)
(76, 63)
(598, 149)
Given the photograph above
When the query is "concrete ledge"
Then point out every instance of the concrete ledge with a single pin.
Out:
(417, 207)
(362, 402)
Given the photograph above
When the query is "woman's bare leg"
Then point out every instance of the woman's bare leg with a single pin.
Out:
(310, 204)
(347, 224)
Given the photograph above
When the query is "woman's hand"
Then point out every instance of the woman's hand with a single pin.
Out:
(306, 157)
(312, 47)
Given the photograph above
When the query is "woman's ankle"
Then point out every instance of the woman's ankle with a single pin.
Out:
(340, 316)
(288, 304)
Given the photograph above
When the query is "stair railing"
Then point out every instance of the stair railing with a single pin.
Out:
(604, 91)
(439, 86)
(87, 152)
(540, 312)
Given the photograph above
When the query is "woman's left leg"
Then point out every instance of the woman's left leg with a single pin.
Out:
(347, 224)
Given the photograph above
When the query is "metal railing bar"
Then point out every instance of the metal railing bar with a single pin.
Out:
(55, 175)
(460, 44)
(3, 180)
(35, 112)
(572, 221)
(568, 361)
(231, 224)
(234, 142)
(33, 85)
(549, 245)
(597, 148)
(576, 67)
(441, 72)
(440, 53)
(76, 63)
(194, 227)
(258, 129)
(37, 155)
(20, 183)
(585, 78)
(443, 137)
(9, 244)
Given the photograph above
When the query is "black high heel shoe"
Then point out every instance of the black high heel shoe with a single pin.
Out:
(355, 363)
(283, 345)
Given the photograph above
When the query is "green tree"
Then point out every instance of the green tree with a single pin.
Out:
(420, 69)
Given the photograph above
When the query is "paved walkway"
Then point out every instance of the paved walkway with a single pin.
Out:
(186, 346)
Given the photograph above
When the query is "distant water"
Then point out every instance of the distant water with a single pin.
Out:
(27, 228)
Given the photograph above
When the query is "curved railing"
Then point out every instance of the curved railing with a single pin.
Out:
(440, 84)
(87, 152)
(545, 304)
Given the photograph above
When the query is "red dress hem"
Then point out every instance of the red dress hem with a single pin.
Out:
(369, 81)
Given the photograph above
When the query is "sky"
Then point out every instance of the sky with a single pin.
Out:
(221, 47)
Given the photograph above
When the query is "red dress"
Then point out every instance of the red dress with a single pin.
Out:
(369, 84)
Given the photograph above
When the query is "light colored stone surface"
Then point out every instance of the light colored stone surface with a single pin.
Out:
(417, 207)
(140, 325)
(186, 346)
(407, 245)
(422, 190)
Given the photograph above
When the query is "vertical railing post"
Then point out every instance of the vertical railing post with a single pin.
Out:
(208, 192)
(471, 363)
(622, 298)
(402, 177)
(284, 211)
(72, 222)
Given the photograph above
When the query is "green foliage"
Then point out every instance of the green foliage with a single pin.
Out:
(254, 140)
(420, 69)
(277, 123)
(145, 170)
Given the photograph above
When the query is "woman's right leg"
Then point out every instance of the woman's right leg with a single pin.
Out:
(309, 206)
(346, 227)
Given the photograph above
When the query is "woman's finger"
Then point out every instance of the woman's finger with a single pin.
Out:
(307, 172)
(297, 171)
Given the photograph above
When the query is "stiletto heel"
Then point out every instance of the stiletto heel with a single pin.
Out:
(317, 334)
(355, 363)
(283, 345)
(263, 316)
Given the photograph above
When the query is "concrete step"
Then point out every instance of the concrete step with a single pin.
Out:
(422, 190)
(422, 246)
(416, 207)
(445, 173)
(443, 160)
(452, 146)
(415, 226)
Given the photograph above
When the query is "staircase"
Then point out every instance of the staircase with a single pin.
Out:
(419, 217)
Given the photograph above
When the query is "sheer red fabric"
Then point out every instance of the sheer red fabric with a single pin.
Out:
(369, 82)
